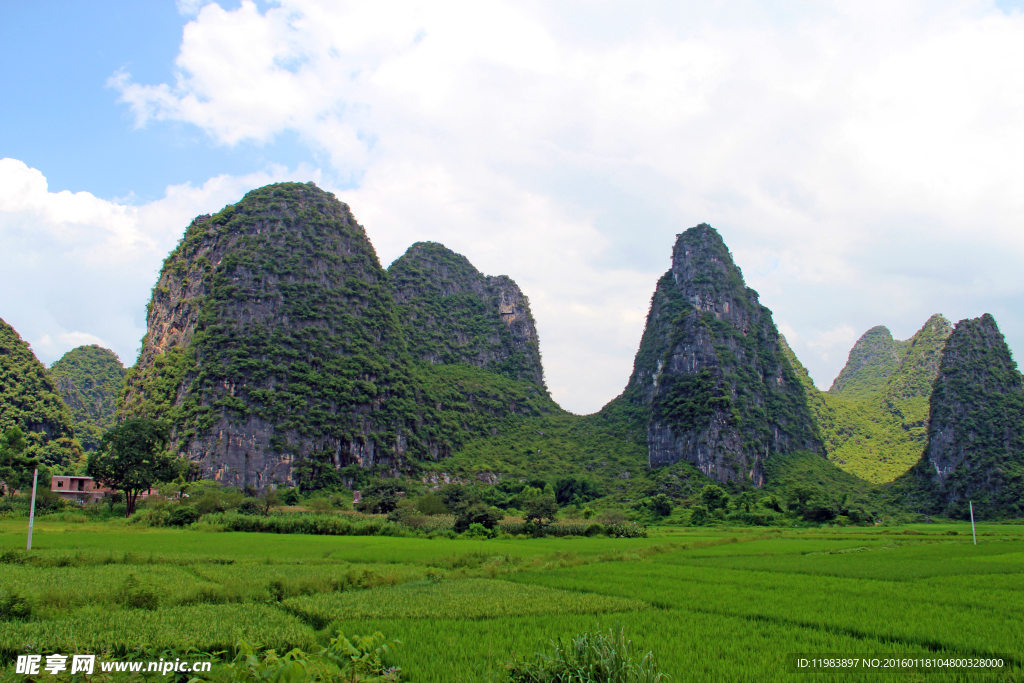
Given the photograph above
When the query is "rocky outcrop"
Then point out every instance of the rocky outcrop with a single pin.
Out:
(976, 427)
(274, 348)
(29, 400)
(89, 379)
(721, 393)
(272, 335)
(453, 313)
(874, 357)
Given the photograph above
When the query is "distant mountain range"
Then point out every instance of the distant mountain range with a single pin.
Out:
(280, 351)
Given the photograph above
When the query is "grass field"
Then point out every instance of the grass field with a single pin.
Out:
(713, 604)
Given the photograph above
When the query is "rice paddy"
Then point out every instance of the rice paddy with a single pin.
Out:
(714, 605)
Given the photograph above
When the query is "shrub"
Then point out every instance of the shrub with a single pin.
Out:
(183, 515)
(611, 517)
(699, 515)
(138, 595)
(597, 657)
(251, 507)
(432, 504)
(594, 529)
(477, 530)
(477, 513)
(13, 606)
(626, 530)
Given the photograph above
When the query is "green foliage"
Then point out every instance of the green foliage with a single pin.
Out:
(251, 666)
(138, 595)
(689, 401)
(30, 401)
(183, 515)
(873, 359)
(132, 458)
(89, 379)
(16, 469)
(14, 607)
(874, 424)
(362, 658)
(540, 511)
(597, 657)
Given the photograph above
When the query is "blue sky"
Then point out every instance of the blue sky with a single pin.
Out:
(61, 116)
(860, 159)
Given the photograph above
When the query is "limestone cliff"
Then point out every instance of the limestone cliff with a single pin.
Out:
(29, 400)
(453, 313)
(976, 426)
(274, 348)
(721, 393)
(271, 335)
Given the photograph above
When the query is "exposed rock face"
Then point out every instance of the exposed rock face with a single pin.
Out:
(874, 357)
(721, 393)
(271, 335)
(976, 428)
(29, 400)
(275, 351)
(453, 313)
(89, 379)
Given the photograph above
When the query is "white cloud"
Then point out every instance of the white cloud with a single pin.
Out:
(78, 269)
(861, 159)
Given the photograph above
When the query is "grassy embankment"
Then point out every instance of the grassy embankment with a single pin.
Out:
(714, 604)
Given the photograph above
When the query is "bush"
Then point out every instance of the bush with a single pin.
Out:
(477, 530)
(477, 513)
(138, 595)
(183, 515)
(699, 515)
(594, 529)
(251, 507)
(626, 530)
(13, 606)
(432, 504)
(588, 658)
(611, 517)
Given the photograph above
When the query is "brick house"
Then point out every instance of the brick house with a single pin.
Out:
(84, 489)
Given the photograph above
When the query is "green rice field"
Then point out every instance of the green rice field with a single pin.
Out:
(712, 604)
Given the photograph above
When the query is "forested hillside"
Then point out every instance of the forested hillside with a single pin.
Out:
(29, 400)
(89, 379)
(873, 420)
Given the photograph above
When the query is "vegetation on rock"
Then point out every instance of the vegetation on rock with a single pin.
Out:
(976, 428)
(873, 421)
(89, 379)
(30, 401)
(721, 393)
(453, 313)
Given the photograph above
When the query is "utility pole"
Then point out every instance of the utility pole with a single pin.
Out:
(973, 532)
(32, 510)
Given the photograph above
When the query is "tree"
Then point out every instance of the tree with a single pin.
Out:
(661, 505)
(714, 497)
(15, 467)
(541, 511)
(131, 458)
